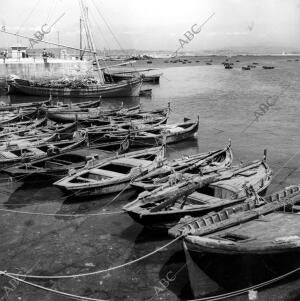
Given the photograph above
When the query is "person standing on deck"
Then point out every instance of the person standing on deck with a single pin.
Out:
(5, 54)
(44, 55)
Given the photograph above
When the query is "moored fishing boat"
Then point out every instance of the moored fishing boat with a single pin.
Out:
(25, 105)
(207, 162)
(111, 175)
(230, 216)
(125, 75)
(165, 134)
(81, 114)
(15, 141)
(59, 106)
(23, 125)
(26, 153)
(118, 128)
(201, 234)
(196, 196)
(11, 117)
(111, 144)
(257, 226)
(65, 131)
(128, 88)
(57, 166)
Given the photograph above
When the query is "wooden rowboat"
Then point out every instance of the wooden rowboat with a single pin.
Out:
(26, 105)
(258, 226)
(57, 166)
(231, 216)
(82, 114)
(111, 175)
(119, 76)
(200, 235)
(165, 134)
(28, 153)
(17, 116)
(65, 131)
(24, 125)
(205, 163)
(163, 207)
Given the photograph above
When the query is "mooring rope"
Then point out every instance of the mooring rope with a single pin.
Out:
(211, 298)
(50, 289)
(99, 271)
(60, 214)
(245, 290)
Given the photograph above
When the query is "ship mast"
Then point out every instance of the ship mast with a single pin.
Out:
(90, 39)
(80, 38)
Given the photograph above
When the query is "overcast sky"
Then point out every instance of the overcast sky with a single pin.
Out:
(159, 24)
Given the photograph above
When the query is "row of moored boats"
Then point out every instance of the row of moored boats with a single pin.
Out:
(213, 204)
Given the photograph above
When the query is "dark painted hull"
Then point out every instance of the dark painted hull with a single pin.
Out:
(6, 162)
(122, 89)
(51, 171)
(117, 77)
(140, 141)
(167, 219)
(21, 117)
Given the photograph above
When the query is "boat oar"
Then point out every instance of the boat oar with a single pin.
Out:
(187, 165)
(181, 190)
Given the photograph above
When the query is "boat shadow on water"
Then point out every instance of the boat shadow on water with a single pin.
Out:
(214, 274)
(145, 235)
(28, 194)
(103, 200)
(174, 276)
(93, 205)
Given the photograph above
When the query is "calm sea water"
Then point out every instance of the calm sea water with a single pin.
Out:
(227, 103)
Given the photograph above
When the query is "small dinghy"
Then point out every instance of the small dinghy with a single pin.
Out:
(196, 196)
(111, 175)
(56, 167)
(258, 226)
(165, 134)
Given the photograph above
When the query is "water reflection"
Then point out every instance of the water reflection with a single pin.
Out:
(212, 274)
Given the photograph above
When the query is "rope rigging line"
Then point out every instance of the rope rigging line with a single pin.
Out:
(59, 214)
(245, 290)
(111, 31)
(72, 296)
(212, 298)
(99, 271)
(108, 26)
(29, 15)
